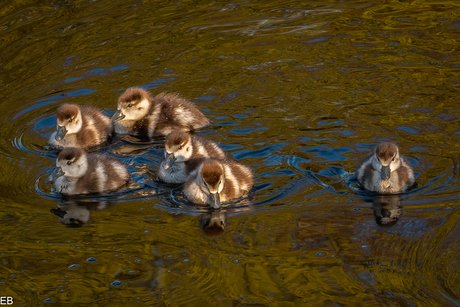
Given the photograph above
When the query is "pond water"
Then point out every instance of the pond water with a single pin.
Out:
(298, 91)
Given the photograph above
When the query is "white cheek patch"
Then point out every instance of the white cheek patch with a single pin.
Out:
(183, 154)
(137, 111)
(76, 125)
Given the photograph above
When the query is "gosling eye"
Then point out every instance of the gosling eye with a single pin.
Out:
(69, 162)
(70, 120)
(180, 147)
(393, 160)
(130, 105)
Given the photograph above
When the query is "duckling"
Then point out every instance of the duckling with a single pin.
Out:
(183, 153)
(141, 115)
(80, 126)
(77, 172)
(385, 171)
(215, 182)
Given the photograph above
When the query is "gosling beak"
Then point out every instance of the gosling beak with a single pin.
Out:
(169, 161)
(215, 200)
(58, 212)
(385, 172)
(61, 132)
(118, 116)
(57, 173)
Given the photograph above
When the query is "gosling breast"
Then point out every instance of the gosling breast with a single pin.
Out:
(141, 115)
(77, 172)
(80, 126)
(183, 154)
(385, 171)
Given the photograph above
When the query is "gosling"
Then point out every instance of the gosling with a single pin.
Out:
(77, 173)
(217, 182)
(183, 154)
(141, 115)
(80, 126)
(385, 171)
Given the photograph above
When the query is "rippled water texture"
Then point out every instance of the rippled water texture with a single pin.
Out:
(298, 91)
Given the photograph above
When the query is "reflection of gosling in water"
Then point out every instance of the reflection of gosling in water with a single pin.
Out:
(80, 126)
(72, 215)
(183, 154)
(80, 173)
(387, 209)
(215, 182)
(141, 115)
(76, 214)
(385, 171)
(213, 223)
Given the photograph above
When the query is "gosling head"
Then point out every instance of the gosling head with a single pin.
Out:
(134, 104)
(386, 159)
(178, 148)
(71, 162)
(69, 120)
(211, 181)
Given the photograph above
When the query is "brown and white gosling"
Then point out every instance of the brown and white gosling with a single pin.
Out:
(183, 154)
(80, 126)
(77, 172)
(141, 115)
(385, 171)
(216, 182)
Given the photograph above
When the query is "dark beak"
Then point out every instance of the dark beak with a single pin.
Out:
(385, 172)
(118, 116)
(215, 200)
(57, 173)
(58, 212)
(61, 132)
(169, 161)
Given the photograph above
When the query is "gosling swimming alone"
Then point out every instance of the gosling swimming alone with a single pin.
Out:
(80, 126)
(216, 182)
(77, 172)
(385, 171)
(141, 115)
(183, 154)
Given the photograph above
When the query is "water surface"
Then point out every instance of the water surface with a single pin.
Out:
(298, 91)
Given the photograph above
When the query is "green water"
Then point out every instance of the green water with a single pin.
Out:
(298, 91)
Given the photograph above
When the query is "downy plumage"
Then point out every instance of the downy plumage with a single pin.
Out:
(385, 171)
(80, 126)
(141, 115)
(77, 172)
(183, 154)
(216, 182)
